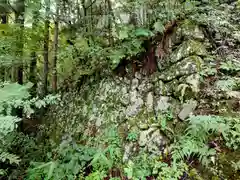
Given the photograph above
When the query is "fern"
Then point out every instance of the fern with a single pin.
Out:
(10, 93)
(201, 126)
(7, 124)
(232, 136)
(195, 139)
(13, 159)
(228, 84)
(230, 66)
(13, 95)
(171, 172)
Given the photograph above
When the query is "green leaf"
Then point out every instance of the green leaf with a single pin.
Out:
(51, 169)
(8, 124)
(13, 159)
(143, 32)
(43, 166)
(163, 123)
(2, 172)
(123, 34)
(158, 26)
(129, 170)
(116, 56)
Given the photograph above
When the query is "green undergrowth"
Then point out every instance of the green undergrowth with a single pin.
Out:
(96, 157)
(98, 154)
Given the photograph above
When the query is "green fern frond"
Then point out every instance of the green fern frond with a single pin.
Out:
(227, 85)
(2, 172)
(195, 140)
(7, 124)
(13, 159)
(205, 124)
(189, 146)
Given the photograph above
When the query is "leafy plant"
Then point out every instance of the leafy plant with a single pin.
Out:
(164, 171)
(69, 160)
(194, 142)
(139, 167)
(232, 136)
(132, 136)
(236, 165)
(14, 96)
(9, 93)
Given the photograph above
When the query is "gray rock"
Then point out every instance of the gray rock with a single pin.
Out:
(127, 151)
(194, 81)
(149, 101)
(124, 98)
(188, 30)
(188, 48)
(153, 140)
(143, 126)
(187, 109)
(186, 66)
(134, 96)
(145, 136)
(162, 104)
(193, 32)
(126, 80)
(135, 83)
(145, 86)
(160, 88)
(99, 122)
(138, 75)
(134, 109)
(157, 143)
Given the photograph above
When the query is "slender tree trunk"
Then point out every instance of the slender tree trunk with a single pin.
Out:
(17, 72)
(20, 21)
(84, 15)
(46, 47)
(3, 21)
(110, 22)
(33, 63)
(32, 73)
(56, 31)
(78, 12)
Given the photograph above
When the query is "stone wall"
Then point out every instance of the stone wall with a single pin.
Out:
(142, 104)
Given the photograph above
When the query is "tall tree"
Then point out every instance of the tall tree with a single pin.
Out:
(45, 48)
(3, 11)
(110, 22)
(84, 14)
(19, 17)
(56, 32)
(33, 63)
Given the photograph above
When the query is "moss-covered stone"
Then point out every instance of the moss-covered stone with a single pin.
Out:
(187, 66)
(171, 86)
(189, 30)
(188, 48)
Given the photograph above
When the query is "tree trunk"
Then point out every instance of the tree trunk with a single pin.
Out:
(20, 8)
(33, 63)
(84, 15)
(46, 47)
(3, 21)
(56, 31)
(110, 22)
(17, 73)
